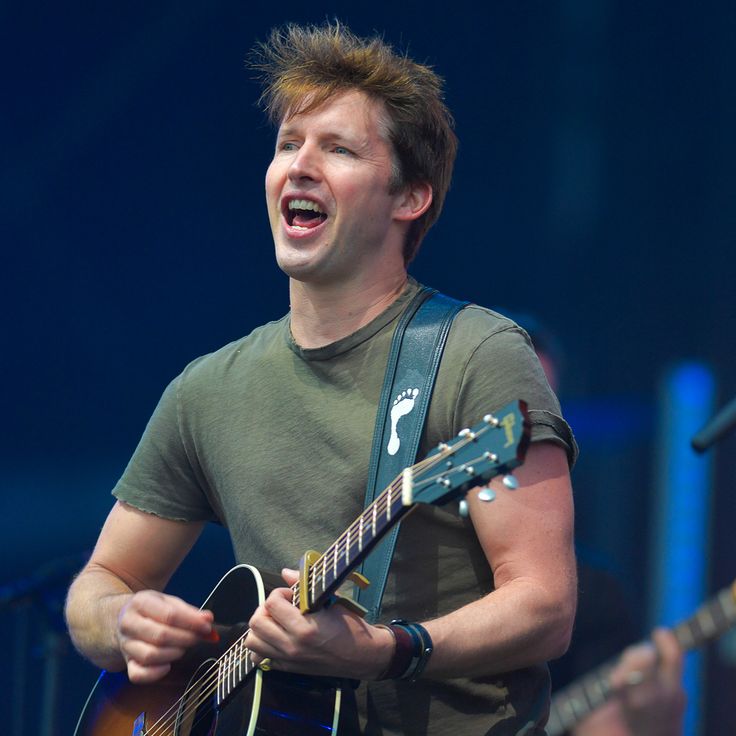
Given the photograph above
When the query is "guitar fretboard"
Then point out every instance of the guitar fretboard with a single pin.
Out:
(331, 569)
(576, 701)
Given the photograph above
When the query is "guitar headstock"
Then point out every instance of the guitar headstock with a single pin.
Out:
(494, 446)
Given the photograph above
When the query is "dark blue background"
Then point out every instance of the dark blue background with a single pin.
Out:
(595, 187)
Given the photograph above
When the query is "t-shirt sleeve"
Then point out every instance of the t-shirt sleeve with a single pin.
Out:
(502, 368)
(163, 477)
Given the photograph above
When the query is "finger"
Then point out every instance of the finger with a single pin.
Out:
(172, 611)
(154, 633)
(670, 655)
(142, 674)
(150, 654)
(279, 609)
(636, 664)
(260, 648)
(263, 627)
(164, 621)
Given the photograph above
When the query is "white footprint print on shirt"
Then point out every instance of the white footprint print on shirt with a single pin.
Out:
(402, 406)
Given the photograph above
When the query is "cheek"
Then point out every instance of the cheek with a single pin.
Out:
(272, 182)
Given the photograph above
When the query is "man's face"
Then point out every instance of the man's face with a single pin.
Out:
(327, 190)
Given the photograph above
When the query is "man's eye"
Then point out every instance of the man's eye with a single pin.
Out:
(342, 150)
(288, 146)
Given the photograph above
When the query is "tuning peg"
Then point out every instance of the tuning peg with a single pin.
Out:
(486, 494)
(462, 508)
(511, 482)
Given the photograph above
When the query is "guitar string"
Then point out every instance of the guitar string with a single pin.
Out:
(209, 682)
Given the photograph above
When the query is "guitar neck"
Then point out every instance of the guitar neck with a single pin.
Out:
(579, 699)
(330, 570)
(710, 621)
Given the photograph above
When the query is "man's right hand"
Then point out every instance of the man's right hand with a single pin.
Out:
(155, 629)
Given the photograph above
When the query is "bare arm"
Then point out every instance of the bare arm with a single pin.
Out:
(116, 614)
(527, 537)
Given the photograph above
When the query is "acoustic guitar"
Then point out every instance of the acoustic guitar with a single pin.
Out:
(216, 690)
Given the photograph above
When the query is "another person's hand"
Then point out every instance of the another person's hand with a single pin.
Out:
(155, 629)
(648, 686)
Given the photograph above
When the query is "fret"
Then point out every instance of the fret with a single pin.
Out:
(685, 635)
(334, 563)
(600, 687)
(374, 507)
(324, 573)
(398, 503)
(569, 709)
(706, 621)
(360, 534)
(711, 619)
(576, 701)
(579, 702)
(388, 503)
(347, 548)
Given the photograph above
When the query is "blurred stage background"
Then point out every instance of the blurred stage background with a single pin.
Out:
(595, 187)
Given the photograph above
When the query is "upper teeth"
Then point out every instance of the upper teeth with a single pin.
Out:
(304, 204)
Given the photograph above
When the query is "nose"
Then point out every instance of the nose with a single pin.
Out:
(305, 163)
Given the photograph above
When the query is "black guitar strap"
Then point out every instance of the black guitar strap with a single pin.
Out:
(413, 359)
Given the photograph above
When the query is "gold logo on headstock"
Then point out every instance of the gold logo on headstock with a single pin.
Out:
(508, 423)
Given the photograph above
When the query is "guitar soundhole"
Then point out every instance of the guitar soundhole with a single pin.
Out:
(197, 715)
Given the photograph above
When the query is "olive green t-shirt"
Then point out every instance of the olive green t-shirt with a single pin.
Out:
(273, 441)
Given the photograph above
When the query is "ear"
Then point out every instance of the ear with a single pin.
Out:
(413, 201)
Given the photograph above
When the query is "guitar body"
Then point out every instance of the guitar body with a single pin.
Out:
(182, 704)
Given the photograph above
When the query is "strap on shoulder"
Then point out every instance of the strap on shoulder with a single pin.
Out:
(414, 357)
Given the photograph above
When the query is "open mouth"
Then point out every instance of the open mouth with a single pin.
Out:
(303, 214)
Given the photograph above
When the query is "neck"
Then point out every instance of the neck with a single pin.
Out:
(320, 315)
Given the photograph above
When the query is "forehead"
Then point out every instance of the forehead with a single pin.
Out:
(348, 111)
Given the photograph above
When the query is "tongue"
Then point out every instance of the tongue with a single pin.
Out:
(307, 219)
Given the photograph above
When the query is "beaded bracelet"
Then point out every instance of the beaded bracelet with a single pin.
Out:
(412, 652)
